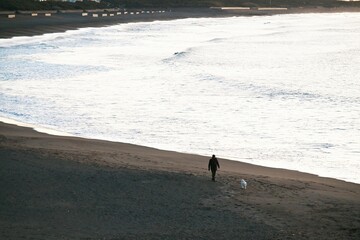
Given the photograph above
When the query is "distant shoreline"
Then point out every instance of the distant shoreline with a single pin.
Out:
(26, 25)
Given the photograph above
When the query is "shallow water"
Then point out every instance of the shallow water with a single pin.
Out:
(280, 91)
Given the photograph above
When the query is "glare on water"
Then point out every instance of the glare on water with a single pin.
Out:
(280, 91)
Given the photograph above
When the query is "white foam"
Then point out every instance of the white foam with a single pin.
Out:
(279, 91)
(35, 127)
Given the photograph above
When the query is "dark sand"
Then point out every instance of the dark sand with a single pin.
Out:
(25, 25)
(71, 188)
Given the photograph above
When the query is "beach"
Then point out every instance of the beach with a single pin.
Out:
(26, 25)
(64, 187)
(72, 188)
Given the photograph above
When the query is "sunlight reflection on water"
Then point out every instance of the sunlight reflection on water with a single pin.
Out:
(280, 91)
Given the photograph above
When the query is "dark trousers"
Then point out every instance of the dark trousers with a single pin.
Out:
(213, 173)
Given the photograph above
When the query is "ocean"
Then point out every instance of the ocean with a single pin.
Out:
(281, 91)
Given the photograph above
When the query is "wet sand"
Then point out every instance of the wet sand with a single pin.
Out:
(55, 187)
(26, 25)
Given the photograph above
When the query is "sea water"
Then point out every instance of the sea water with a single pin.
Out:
(280, 91)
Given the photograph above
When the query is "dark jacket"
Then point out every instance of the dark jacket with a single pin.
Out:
(213, 164)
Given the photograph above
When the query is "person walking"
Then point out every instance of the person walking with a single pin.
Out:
(213, 166)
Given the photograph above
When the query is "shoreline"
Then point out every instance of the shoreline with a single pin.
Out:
(52, 132)
(26, 25)
(58, 186)
(69, 187)
(34, 127)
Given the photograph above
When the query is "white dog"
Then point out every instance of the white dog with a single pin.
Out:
(243, 184)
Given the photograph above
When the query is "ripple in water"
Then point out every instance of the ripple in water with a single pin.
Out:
(280, 91)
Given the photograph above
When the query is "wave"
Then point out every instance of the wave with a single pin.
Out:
(291, 94)
(177, 56)
(45, 38)
(217, 40)
(218, 86)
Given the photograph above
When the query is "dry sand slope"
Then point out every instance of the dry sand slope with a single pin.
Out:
(72, 188)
